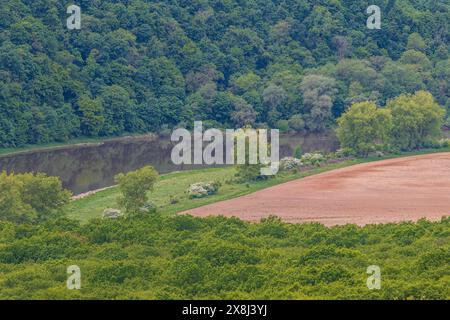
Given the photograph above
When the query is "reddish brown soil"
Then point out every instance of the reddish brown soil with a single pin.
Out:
(392, 190)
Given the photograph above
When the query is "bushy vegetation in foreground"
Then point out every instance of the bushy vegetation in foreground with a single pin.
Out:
(161, 257)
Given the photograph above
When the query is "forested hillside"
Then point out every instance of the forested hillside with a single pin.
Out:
(138, 66)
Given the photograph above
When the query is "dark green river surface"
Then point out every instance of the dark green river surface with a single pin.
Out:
(89, 167)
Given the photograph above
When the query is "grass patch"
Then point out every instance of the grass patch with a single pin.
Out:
(170, 186)
(173, 186)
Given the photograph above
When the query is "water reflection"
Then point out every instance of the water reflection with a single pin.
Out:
(90, 167)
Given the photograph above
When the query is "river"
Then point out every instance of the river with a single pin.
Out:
(87, 167)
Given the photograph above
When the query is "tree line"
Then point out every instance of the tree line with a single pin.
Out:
(408, 122)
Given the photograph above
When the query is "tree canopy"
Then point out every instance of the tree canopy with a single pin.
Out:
(408, 122)
(137, 66)
(363, 127)
(182, 257)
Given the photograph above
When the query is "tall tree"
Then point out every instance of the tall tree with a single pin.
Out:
(417, 118)
(318, 95)
(364, 127)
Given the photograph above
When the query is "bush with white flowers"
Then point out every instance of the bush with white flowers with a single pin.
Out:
(202, 189)
(314, 159)
(444, 143)
(290, 163)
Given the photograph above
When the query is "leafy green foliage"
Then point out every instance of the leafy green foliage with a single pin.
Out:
(134, 187)
(416, 119)
(31, 197)
(297, 152)
(91, 118)
(408, 122)
(363, 127)
(138, 66)
(182, 257)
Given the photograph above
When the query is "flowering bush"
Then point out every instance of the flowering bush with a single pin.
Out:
(202, 189)
(289, 163)
(444, 143)
(314, 159)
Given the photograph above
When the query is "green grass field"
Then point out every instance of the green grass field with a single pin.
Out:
(172, 186)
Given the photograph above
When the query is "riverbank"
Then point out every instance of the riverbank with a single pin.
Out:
(85, 141)
(89, 167)
(73, 143)
(169, 193)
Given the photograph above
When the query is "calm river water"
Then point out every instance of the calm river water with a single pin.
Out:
(88, 167)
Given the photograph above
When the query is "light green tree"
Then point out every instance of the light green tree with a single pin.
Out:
(363, 127)
(416, 119)
(416, 42)
(44, 194)
(134, 187)
(12, 207)
(31, 197)
(92, 118)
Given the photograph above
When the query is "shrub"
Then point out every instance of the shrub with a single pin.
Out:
(31, 197)
(313, 159)
(343, 152)
(444, 143)
(134, 187)
(202, 189)
(289, 163)
(249, 173)
(364, 126)
(297, 152)
(431, 144)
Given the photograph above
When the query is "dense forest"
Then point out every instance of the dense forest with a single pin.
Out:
(139, 66)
